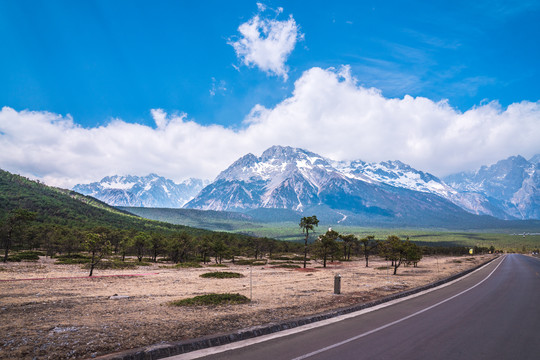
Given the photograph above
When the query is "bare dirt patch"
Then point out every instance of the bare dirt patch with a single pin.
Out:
(83, 317)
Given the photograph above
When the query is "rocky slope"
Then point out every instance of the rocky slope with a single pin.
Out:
(147, 191)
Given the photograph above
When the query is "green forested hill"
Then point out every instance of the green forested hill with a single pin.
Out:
(36, 216)
(66, 208)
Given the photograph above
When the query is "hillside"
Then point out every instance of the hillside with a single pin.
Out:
(210, 220)
(67, 208)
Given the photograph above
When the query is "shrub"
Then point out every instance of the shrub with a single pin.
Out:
(188, 265)
(33, 253)
(72, 259)
(24, 256)
(289, 266)
(212, 299)
(383, 268)
(250, 262)
(113, 265)
(283, 262)
(222, 275)
(283, 257)
(143, 263)
(280, 258)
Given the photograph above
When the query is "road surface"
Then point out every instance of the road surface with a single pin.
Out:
(493, 313)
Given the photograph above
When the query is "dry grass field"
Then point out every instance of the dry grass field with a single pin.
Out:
(50, 311)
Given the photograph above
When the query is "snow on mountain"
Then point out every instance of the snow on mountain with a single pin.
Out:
(511, 186)
(395, 173)
(147, 191)
(398, 174)
(283, 177)
(296, 179)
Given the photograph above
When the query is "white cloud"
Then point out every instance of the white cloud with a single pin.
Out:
(218, 87)
(328, 113)
(267, 43)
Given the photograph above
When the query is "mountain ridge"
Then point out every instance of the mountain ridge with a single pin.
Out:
(284, 177)
(293, 178)
(145, 191)
(296, 179)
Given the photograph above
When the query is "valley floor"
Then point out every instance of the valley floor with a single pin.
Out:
(63, 314)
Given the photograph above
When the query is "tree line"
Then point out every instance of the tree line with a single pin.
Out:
(19, 231)
(333, 245)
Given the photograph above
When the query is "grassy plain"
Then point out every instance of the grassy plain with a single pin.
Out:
(509, 240)
(503, 238)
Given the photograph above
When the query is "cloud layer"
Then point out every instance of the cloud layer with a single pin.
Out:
(266, 43)
(328, 113)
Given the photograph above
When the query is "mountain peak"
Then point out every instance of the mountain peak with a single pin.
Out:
(511, 184)
(535, 159)
(281, 152)
(148, 191)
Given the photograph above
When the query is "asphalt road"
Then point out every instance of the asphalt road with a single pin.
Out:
(493, 313)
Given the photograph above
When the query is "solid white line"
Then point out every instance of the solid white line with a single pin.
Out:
(393, 322)
(243, 343)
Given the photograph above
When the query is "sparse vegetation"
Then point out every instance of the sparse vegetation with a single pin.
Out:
(188, 265)
(222, 275)
(212, 299)
(70, 259)
(114, 265)
(288, 266)
(25, 256)
(250, 262)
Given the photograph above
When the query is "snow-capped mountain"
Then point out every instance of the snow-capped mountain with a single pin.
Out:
(299, 180)
(147, 191)
(395, 173)
(511, 186)
(296, 179)
(398, 174)
(282, 177)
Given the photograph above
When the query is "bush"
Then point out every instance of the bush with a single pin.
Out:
(113, 265)
(282, 257)
(188, 265)
(212, 299)
(25, 256)
(251, 262)
(142, 263)
(283, 262)
(72, 259)
(222, 275)
(32, 252)
(289, 266)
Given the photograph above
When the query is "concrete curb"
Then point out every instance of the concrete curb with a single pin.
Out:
(159, 351)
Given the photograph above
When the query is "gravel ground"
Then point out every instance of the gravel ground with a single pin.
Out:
(50, 311)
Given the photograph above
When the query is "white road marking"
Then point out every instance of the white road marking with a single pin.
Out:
(243, 343)
(393, 322)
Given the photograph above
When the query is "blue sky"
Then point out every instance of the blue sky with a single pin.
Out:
(89, 64)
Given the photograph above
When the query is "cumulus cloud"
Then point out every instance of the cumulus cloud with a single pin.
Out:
(327, 113)
(266, 43)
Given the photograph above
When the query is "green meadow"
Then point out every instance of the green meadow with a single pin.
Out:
(508, 239)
